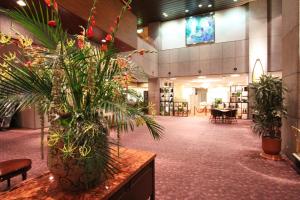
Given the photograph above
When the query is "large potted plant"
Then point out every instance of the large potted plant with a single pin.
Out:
(83, 89)
(268, 111)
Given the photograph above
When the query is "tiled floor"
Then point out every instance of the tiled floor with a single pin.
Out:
(195, 160)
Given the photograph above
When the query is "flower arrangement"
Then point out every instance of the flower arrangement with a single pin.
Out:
(82, 88)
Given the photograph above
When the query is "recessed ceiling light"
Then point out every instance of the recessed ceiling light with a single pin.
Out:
(209, 5)
(200, 5)
(201, 77)
(186, 11)
(103, 40)
(235, 75)
(140, 30)
(235, 0)
(211, 13)
(21, 3)
(165, 14)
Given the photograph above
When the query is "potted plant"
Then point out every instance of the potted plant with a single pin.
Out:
(82, 87)
(269, 109)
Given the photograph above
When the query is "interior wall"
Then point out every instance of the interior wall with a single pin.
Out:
(234, 19)
(275, 35)
(291, 72)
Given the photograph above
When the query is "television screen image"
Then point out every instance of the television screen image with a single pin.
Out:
(200, 29)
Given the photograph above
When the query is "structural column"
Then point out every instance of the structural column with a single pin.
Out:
(291, 72)
(258, 34)
(153, 92)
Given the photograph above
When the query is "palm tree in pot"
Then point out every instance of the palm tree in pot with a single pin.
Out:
(76, 83)
(269, 109)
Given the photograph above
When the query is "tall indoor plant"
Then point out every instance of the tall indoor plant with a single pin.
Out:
(269, 109)
(82, 88)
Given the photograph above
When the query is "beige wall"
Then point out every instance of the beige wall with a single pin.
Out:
(274, 35)
(208, 59)
(291, 71)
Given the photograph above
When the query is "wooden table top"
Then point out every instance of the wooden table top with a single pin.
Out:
(44, 187)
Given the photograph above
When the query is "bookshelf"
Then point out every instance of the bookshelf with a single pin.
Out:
(239, 99)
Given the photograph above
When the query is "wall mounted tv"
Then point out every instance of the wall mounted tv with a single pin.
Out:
(200, 29)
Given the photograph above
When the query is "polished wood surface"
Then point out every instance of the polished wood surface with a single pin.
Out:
(132, 163)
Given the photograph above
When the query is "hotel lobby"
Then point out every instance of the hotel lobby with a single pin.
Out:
(152, 99)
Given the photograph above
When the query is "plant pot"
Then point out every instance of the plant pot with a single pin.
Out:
(75, 175)
(271, 146)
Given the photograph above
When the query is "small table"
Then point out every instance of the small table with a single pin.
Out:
(135, 181)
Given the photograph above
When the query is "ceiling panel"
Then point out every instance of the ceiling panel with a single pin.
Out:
(149, 11)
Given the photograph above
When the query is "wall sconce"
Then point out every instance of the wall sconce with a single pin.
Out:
(257, 71)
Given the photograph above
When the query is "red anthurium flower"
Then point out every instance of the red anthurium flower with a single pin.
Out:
(108, 37)
(52, 23)
(90, 32)
(104, 47)
(48, 2)
(55, 5)
(141, 52)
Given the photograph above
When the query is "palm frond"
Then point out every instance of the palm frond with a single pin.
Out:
(34, 18)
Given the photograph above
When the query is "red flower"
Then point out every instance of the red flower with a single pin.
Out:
(104, 47)
(80, 42)
(52, 23)
(108, 37)
(93, 21)
(90, 32)
(111, 29)
(141, 52)
(28, 63)
(48, 2)
(55, 5)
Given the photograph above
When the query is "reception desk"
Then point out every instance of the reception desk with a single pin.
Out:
(135, 181)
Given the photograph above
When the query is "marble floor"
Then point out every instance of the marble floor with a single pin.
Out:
(195, 160)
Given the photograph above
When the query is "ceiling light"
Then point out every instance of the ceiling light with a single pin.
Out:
(209, 5)
(186, 11)
(103, 40)
(200, 5)
(205, 80)
(201, 77)
(21, 3)
(165, 14)
(140, 30)
(211, 13)
(235, 75)
(235, 0)
(172, 79)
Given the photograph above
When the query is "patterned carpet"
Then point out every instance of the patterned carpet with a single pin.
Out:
(195, 160)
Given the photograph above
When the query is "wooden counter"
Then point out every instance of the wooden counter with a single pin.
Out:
(135, 181)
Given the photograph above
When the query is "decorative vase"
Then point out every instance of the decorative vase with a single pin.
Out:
(76, 175)
(271, 146)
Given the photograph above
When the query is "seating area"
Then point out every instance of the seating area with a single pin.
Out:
(228, 116)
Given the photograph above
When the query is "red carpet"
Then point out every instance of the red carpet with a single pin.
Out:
(195, 160)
